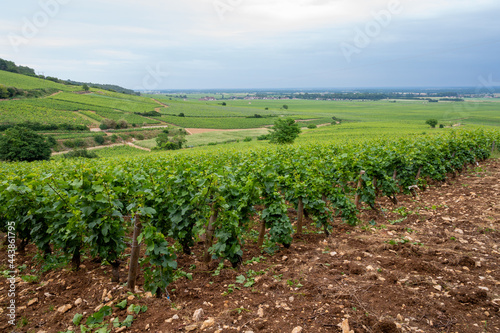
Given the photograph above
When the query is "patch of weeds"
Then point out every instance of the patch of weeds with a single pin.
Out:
(453, 238)
(30, 278)
(22, 322)
(218, 269)
(278, 277)
(230, 289)
(180, 274)
(55, 261)
(397, 221)
(403, 211)
(270, 247)
(294, 283)
(254, 260)
(239, 310)
(402, 240)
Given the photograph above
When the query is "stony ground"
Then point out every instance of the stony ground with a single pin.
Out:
(428, 264)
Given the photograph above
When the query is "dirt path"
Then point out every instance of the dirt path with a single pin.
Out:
(429, 264)
(108, 146)
(162, 104)
(205, 130)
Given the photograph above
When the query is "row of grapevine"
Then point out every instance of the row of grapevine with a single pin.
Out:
(82, 207)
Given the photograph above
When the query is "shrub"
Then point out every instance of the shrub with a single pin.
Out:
(122, 123)
(264, 137)
(80, 153)
(99, 139)
(441, 126)
(139, 136)
(311, 126)
(247, 139)
(107, 124)
(76, 143)
(114, 138)
(284, 131)
(23, 144)
(431, 122)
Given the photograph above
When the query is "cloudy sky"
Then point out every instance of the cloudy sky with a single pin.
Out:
(197, 44)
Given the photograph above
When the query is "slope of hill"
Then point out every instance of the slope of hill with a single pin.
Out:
(26, 82)
(69, 104)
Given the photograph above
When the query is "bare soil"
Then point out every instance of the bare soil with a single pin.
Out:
(428, 264)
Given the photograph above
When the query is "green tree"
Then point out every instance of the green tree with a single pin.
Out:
(284, 131)
(4, 92)
(285, 107)
(166, 142)
(23, 144)
(85, 87)
(432, 122)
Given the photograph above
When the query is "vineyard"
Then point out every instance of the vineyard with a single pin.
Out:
(88, 209)
(82, 207)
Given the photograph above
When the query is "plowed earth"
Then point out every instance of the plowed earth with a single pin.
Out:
(428, 264)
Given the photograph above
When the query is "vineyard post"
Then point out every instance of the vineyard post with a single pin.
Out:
(300, 216)
(209, 237)
(394, 198)
(360, 183)
(134, 256)
(413, 188)
(262, 233)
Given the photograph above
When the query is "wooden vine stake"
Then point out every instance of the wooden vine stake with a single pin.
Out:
(360, 183)
(262, 233)
(300, 216)
(209, 235)
(413, 189)
(394, 198)
(134, 256)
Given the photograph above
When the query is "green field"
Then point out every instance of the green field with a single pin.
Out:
(26, 82)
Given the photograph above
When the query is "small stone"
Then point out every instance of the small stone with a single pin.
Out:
(32, 301)
(104, 294)
(121, 329)
(333, 253)
(48, 295)
(260, 312)
(438, 287)
(284, 258)
(291, 299)
(478, 264)
(484, 288)
(207, 323)
(297, 329)
(191, 327)
(486, 313)
(198, 314)
(148, 294)
(459, 231)
(78, 301)
(41, 332)
(131, 297)
(370, 268)
(64, 308)
(147, 327)
(399, 317)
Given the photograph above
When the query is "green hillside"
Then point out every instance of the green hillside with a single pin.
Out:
(69, 104)
(25, 82)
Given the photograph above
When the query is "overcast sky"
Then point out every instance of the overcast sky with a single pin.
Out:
(196, 44)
